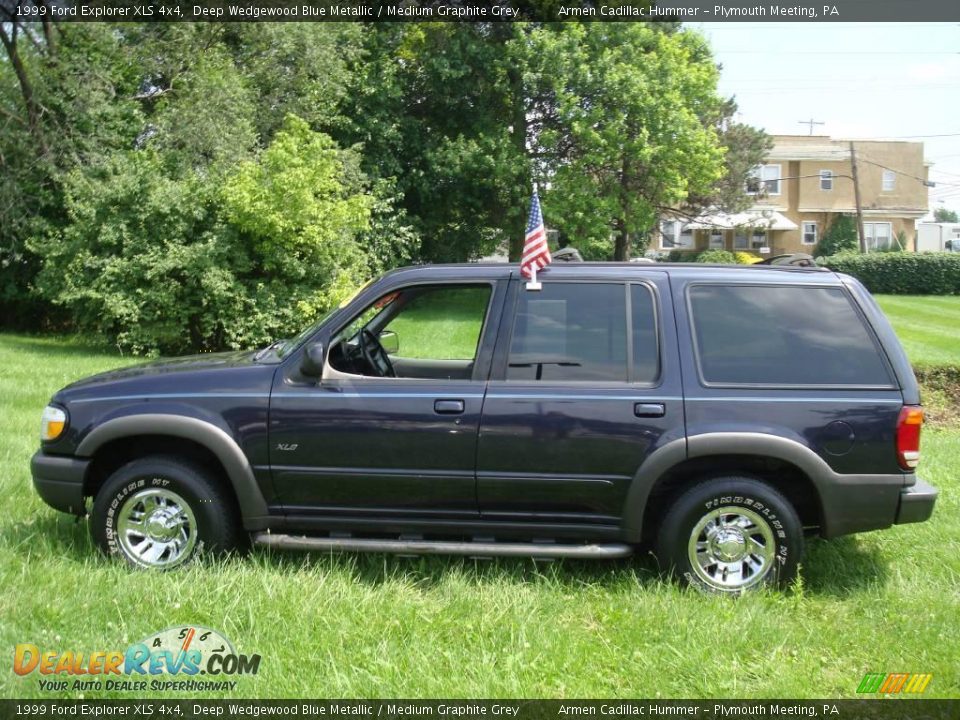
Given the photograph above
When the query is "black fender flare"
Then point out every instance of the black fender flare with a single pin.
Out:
(656, 464)
(253, 507)
(673, 453)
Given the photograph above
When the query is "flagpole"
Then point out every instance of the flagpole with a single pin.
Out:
(532, 283)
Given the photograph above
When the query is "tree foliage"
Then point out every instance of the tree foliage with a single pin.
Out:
(176, 185)
(943, 215)
(635, 112)
(840, 237)
(166, 261)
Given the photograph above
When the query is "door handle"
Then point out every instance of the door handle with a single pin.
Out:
(448, 407)
(649, 409)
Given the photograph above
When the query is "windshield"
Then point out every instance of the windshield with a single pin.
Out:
(288, 346)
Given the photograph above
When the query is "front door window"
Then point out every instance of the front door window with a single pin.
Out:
(418, 332)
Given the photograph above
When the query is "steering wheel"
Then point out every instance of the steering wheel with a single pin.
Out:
(374, 354)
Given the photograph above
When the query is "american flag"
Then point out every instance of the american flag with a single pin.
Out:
(536, 254)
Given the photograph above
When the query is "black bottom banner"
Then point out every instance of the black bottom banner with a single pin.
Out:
(889, 709)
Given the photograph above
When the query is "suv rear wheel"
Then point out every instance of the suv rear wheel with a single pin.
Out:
(161, 512)
(731, 534)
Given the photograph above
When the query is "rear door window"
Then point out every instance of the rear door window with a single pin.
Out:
(782, 336)
(570, 332)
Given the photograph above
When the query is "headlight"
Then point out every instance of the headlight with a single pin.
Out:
(52, 423)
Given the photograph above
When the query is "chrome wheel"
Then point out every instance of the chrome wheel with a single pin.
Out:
(731, 549)
(156, 528)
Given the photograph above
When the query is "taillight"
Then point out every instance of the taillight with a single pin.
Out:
(908, 436)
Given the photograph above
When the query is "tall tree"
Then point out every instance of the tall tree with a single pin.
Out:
(636, 109)
(464, 117)
(942, 215)
(433, 111)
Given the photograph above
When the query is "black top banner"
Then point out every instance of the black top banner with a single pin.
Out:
(468, 11)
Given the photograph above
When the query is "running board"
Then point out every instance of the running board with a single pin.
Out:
(439, 547)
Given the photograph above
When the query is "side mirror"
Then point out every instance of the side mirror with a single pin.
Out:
(390, 342)
(312, 363)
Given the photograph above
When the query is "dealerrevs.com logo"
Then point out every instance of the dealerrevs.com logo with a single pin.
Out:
(187, 658)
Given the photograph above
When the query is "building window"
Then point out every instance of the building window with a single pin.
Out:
(758, 239)
(809, 233)
(889, 180)
(675, 236)
(740, 241)
(877, 235)
(826, 179)
(716, 239)
(764, 179)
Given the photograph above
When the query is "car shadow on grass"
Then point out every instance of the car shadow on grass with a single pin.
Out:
(429, 571)
(54, 534)
(836, 568)
(842, 566)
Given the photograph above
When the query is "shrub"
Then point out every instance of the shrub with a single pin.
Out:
(840, 237)
(717, 256)
(902, 273)
(745, 258)
(723, 257)
(163, 261)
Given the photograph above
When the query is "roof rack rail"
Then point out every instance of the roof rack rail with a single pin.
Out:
(567, 254)
(796, 259)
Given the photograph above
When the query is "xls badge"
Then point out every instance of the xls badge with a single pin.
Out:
(178, 651)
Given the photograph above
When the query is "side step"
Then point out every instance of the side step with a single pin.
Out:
(439, 547)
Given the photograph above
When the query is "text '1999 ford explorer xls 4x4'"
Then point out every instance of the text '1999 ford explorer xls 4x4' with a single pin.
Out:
(713, 413)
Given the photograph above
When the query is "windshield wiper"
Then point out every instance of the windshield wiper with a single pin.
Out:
(275, 345)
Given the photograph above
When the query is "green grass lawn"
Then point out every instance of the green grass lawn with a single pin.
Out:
(928, 326)
(380, 626)
(442, 325)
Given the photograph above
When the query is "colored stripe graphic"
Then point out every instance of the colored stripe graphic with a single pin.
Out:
(918, 683)
(894, 682)
(889, 683)
(871, 683)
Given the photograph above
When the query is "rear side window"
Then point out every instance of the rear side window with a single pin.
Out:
(646, 346)
(782, 335)
(570, 331)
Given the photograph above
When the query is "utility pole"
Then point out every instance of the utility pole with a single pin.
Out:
(856, 196)
(811, 122)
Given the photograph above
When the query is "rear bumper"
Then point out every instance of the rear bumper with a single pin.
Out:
(59, 481)
(916, 503)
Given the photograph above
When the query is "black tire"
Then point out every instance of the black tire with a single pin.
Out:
(169, 496)
(759, 542)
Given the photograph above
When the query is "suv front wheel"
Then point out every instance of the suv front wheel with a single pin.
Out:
(161, 512)
(731, 534)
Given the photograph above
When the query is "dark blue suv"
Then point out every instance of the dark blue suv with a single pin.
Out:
(716, 414)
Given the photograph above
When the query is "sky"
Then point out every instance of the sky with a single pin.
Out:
(862, 80)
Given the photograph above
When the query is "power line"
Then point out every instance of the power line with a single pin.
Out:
(894, 170)
(718, 51)
(792, 90)
(910, 137)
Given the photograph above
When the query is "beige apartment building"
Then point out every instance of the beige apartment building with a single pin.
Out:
(805, 183)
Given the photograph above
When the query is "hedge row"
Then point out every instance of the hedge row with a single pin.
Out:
(901, 273)
(724, 257)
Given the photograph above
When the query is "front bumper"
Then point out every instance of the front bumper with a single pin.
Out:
(916, 503)
(59, 481)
